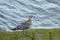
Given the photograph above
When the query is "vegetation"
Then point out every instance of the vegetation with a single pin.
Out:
(38, 34)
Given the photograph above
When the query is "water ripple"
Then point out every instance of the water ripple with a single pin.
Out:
(13, 12)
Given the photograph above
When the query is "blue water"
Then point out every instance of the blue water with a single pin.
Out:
(13, 12)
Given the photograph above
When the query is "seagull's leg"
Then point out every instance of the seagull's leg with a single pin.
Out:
(23, 35)
(23, 31)
(50, 38)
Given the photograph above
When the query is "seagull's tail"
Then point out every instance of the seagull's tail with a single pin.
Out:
(14, 29)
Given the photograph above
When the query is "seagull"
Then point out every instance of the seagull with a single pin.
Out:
(25, 25)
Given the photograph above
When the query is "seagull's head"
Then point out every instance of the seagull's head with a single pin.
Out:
(31, 16)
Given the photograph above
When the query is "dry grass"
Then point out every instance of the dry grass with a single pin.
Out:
(42, 34)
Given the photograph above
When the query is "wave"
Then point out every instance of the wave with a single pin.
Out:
(13, 12)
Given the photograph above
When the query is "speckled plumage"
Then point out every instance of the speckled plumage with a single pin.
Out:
(24, 25)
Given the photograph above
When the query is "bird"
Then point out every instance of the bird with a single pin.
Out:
(25, 25)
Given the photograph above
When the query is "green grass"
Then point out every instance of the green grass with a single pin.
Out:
(38, 34)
